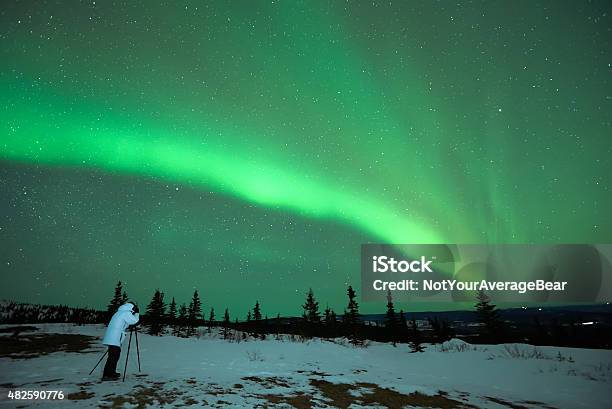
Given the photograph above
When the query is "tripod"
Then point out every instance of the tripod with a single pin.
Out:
(133, 329)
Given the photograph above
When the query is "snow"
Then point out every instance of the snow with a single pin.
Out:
(204, 371)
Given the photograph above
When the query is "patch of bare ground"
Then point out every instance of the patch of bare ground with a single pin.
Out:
(143, 397)
(339, 395)
(314, 373)
(518, 405)
(190, 401)
(270, 381)
(35, 345)
(18, 329)
(80, 395)
(214, 389)
(538, 404)
(299, 401)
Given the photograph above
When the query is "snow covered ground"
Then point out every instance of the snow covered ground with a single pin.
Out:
(210, 372)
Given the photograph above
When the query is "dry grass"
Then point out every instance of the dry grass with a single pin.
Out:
(269, 382)
(35, 345)
(143, 397)
(519, 405)
(520, 351)
(190, 401)
(339, 395)
(299, 401)
(80, 395)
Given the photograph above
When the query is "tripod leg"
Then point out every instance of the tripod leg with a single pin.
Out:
(94, 368)
(137, 350)
(127, 356)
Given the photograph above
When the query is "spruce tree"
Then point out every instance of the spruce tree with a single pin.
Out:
(124, 298)
(257, 312)
(211, 317)
(194, 313)
(488, 315)
(249, 315)
(311, 309)
(156, 311)
(197, 305)
(352, 318)
(352, 308)
(330, 322)
(327, 315)
(226, 323)
(416, 343)
(181, 321)
(391, 319)
(171, 317)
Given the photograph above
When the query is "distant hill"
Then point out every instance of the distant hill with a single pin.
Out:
(600, 314)
(12, 312)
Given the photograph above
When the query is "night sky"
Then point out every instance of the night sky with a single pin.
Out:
(248, 149)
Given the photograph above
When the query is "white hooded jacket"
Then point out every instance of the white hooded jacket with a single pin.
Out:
(123, 318)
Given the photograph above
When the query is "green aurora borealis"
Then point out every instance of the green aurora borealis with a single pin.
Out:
(247, 149)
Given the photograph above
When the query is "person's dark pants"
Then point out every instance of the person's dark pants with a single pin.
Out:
(111, 362)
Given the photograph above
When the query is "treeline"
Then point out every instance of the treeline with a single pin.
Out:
(21, 313)
(396, 327)
(184, 319)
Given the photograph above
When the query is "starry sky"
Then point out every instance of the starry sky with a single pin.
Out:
(248, 148)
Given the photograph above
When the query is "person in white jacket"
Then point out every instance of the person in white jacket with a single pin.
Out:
(125, 316)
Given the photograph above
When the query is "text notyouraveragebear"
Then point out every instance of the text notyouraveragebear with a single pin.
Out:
(455, 285)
